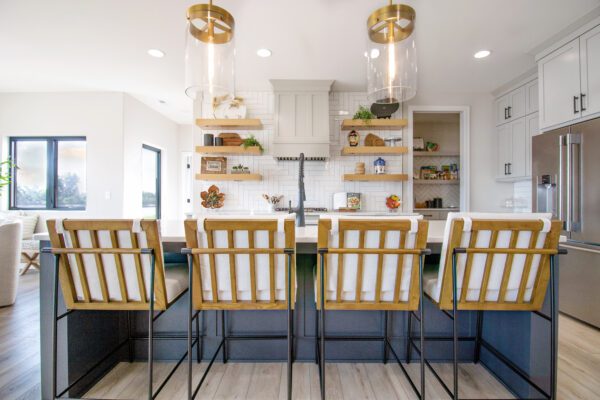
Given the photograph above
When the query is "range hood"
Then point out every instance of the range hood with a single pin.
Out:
(301, 119)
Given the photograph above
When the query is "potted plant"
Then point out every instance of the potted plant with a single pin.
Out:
(364, 114)
(5, 174)
(251, 141)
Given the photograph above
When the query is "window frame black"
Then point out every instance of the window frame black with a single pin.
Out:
(158, 153)
(51, 171)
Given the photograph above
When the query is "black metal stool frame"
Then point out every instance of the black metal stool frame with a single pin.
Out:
(223, 344)
(480, 342)
(321, 337)
(151, 319)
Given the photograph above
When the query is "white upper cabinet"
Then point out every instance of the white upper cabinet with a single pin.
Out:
(559, 85)
(532, 96)
(511, 106)
(590, 72)
(504, 137)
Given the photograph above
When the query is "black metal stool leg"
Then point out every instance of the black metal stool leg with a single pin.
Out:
(198, 338)
(290, 328)
(478, 337)
(422, 328)
(409, 337)
(151, 329)
(322, 327)
(224, 333)
(317, 318)
(454, 328)
(55, 326)
(190, 315)
(553, 329)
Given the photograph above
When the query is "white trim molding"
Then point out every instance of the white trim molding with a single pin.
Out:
(465, 133)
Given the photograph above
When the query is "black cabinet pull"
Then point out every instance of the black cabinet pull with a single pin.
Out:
(581, 107)
(575, 99)
(505, 111)
(509, 108)
(505, 173)
(509, 169)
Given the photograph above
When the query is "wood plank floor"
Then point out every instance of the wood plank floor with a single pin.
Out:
(267, 381)
(578, 375)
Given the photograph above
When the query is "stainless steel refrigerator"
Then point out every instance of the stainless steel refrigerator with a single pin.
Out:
(566, 182)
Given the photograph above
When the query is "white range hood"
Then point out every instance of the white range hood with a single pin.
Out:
(301, 119)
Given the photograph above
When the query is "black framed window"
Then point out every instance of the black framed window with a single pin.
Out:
(50, 173)
(151, 181)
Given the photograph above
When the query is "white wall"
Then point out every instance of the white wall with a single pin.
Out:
(486, 194)
(142, 125)
(97, 116)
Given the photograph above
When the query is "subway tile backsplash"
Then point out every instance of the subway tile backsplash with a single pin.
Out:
(322, 179)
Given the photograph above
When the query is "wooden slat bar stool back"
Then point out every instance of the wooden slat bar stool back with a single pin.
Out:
(497, 262)
(241, 263)
(112, 265)
(370, 264)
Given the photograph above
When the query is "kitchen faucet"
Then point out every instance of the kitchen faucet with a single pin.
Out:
(300, 220)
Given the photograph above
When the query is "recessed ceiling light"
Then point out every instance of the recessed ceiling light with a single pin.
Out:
(482, 54)
(264, 53)
(156, 53)
(161, 101)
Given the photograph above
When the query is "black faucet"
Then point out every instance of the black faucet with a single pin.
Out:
(300, 218)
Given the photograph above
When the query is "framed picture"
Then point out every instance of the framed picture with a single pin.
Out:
(213, 165)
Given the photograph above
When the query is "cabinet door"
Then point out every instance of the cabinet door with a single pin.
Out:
(590, 72)
(517, 166)
(501, 107)
(533, 123)
(517, 103)
(504, 138)
(559, 82)
(532, 94)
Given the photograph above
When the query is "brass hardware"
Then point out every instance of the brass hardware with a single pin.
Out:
(218, 27)
(392, 23)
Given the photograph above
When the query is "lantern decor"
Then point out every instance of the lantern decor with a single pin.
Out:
(391, 54)
(379, 165)
(210, 52)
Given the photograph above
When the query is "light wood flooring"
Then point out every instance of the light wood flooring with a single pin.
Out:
(578, 375)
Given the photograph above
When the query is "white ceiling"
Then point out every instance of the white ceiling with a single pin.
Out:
(91, 45)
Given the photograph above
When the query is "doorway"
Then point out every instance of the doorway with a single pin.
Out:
(151, 182)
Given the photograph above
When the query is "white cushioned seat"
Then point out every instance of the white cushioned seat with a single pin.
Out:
(30, 245)
(176, 280)
(242, 261)
(433, 283)
(370, 261)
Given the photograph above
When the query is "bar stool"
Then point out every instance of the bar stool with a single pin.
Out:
(112, 265)
(241, 263)
(370, 264)
(496, 262)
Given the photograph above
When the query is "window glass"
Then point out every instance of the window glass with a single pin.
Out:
(70, 188)
(31, 175)
(150, 182)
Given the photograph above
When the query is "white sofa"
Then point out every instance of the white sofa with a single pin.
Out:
(32, 223)
(11, 232)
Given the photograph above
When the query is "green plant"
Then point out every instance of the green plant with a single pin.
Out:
(6, 168)
(363, 113)
(252, 141)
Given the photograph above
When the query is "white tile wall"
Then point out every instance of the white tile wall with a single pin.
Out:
(322, 179)
(522, 196)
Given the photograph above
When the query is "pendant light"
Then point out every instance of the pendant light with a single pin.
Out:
(391, 54)
(210, 52)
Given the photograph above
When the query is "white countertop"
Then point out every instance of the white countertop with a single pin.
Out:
(172, 231)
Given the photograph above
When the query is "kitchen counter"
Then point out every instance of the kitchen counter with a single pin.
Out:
(172, 231)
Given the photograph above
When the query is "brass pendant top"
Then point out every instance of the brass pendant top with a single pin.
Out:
(218, 25)
(391, 23)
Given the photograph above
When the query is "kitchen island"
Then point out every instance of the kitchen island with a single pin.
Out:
(86, 336)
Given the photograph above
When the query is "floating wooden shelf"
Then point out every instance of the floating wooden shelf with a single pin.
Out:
(436, 182)
(373, 150)
(435, 154)
(228, 177)
(235, 150)
(374, 124)
(375, 178)
(245, 124)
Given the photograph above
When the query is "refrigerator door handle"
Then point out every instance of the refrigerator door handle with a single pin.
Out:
(561, 182)
(574, 181)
